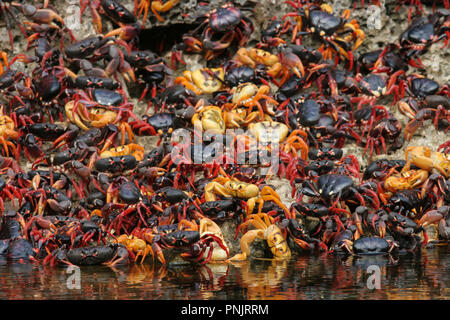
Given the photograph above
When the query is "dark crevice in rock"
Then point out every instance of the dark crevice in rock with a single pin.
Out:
(161, 39)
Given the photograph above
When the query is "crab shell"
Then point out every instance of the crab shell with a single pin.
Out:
(203, 79)
(96, 117)
(211, 119)
(131, 242)
(276, 242)
(245, 92)
(269, 131)
(218, 254)
(405, 180)
(7, 127)
(425, 159)
(130, 149)
(241, 189)
(259, 56)
(372, 246)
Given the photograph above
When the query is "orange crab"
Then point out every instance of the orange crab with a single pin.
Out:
(423, 158)
(232, 187)
(278, 66)
(135, 245)
(426, 159)
(267, 230)
(4, 59)
(405, 180)
(208, 228)
(97, 118)
(202, 80)
(155, 5)
(129, 149)
(213, 119)
(264, 132)
(248, 95)
(7, 130)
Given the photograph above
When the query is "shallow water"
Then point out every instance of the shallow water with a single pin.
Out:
(423, 275)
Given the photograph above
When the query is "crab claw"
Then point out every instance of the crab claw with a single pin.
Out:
(411, 128)
(292, 61)
(80, 169)
(36, 181)
(357, 33)
(193, 44)
(4, 57)
(20, 57)
(428, 163)
(357, 220)
(96, 20)
(431, 217)
(303, 244)
(176, 56)
(127, 72)
(152, 172)
(443, 230)
(347, 245)
(382, 229)
(125, 33)
(219, 45)
(61, 207)
(406, 109)
(160, 6)
(159, 254)
(41, 16)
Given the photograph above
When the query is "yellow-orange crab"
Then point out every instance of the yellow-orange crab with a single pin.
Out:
(266, 230)
(210, 118)
(405, 180)
(216, 120)
(208, 228)
(82, 116)
(426, 159)
(97, 118)
(129, 149)
(7, 130)
(252, 57)
(266, 131)
(277, 67)
(423, 158)
(248, 95)
(202, 80)
(155, 5)
(135, 245)
(4, 59)
(232, 187)
(240, 117)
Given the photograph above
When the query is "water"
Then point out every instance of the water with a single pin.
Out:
(423, 275)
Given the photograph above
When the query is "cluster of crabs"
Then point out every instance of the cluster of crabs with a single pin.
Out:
(76, 187)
